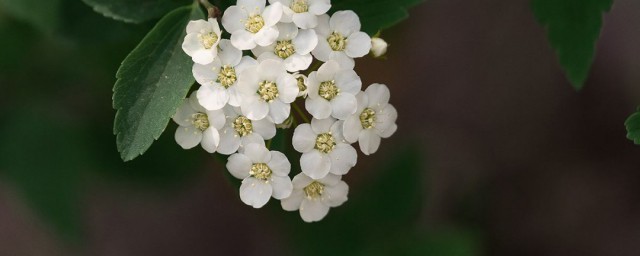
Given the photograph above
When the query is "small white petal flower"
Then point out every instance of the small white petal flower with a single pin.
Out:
(201, 41)
(378, 47)
(219, 78)
(323, 148)
(303, 13)
(240, 131)
(267, 90)
(340, 39)
(331, 91)
(293, 47)
(251, 23)
(264, 174)
(375, 119)
(198, 125)
(302, 84)
(314, 197)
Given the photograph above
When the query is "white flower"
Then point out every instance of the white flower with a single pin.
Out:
(267, 90)
(202, 40)
(375, 119)
(340, 39)
(240, 131)
(251, 23)
(304, 13)
(293, 47)
(197, 125)
(219, 78)
(331, 91)
(323, 148)
(314, 197)
(302, 84)
(264, 174)
(378, 47)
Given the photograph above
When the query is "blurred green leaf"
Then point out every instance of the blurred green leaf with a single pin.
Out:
(44, 15)
(573, 28)
(376, 15)
(633, 127)
(44, 158)
(152, 81)
(134, 11)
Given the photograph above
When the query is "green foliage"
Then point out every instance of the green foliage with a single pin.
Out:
(573, 28)
(44, 15)
(134, 11)
(377, 15)
(633, 127)
(152, 82)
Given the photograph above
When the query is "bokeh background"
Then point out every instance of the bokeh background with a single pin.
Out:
(496, 153)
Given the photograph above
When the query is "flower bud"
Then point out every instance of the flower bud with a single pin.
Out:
(378, 47)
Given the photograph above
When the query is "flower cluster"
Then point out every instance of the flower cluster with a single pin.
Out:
(244, 98)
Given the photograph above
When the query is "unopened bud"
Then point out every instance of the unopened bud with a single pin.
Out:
(378, 47)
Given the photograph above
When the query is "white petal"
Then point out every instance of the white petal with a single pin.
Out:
(359, 44)
(287, 31)
(301, 180)
(265, 128)
(184, 115)
(279, 111)
(243, 40)
(191, 44)
(297, 62)
(204, 56)
(336, 195)
(205, 74)
(345, 22)
(232, 19)
(363, 101)
(378, 94)
(369, 142)
(343, 158)
(319, 7)
(279, 163)
(385, 119)
(210, 140)
(239, 165)
(315, 164)
(255, 109)
(343, 105)
(252, 6)
(195, 26)
(259, 50)
(287, 88)
(390, 131)
(352, 128)
(345, 61)
(336, 131)
(245, 63)
(216, 118)
(292, 203)
(257, 153)
(319, 108)
(212, 96)
(313, 210)
(188, 136)
(266, 36)
(330, 180)
(323, 51)
(327, 71)
(229, 141)
(228, 54)
(248, 81)
(250, 139)
(270, 70)
(272, 15)
(255, 192)
(306, 41)
(320, 126)
(348, 81)
(305, 20)
(304, 139)
(282, 186)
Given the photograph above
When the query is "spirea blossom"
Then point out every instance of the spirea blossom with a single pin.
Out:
(340, 39)
(198, 125)
(303, 13)
(201, 41)
(293, 47)
(252, 23)
(314, 197)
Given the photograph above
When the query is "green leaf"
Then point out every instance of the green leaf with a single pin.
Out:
(573, 28)
(44, 15)
(633, 127)
(376, 15)
(134, 11)
(152, 82)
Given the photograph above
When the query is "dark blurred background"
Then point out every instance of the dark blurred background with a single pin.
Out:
(496, 153)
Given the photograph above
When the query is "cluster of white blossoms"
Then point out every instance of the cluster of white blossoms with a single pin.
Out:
(244, 97)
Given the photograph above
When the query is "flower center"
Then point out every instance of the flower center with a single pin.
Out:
(284, 49)
(227, 76)
(208, 40)
(301, 86)
(367, 118)
(200, 121)
(260, 171)
(325, 143)
(328, 90)
(254, 23)
(299, 6)
(337, 42)
(314, 190)
(268, 91)
(243, 126)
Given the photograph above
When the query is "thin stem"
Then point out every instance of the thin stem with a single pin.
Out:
(214, 11)
(301, 113)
